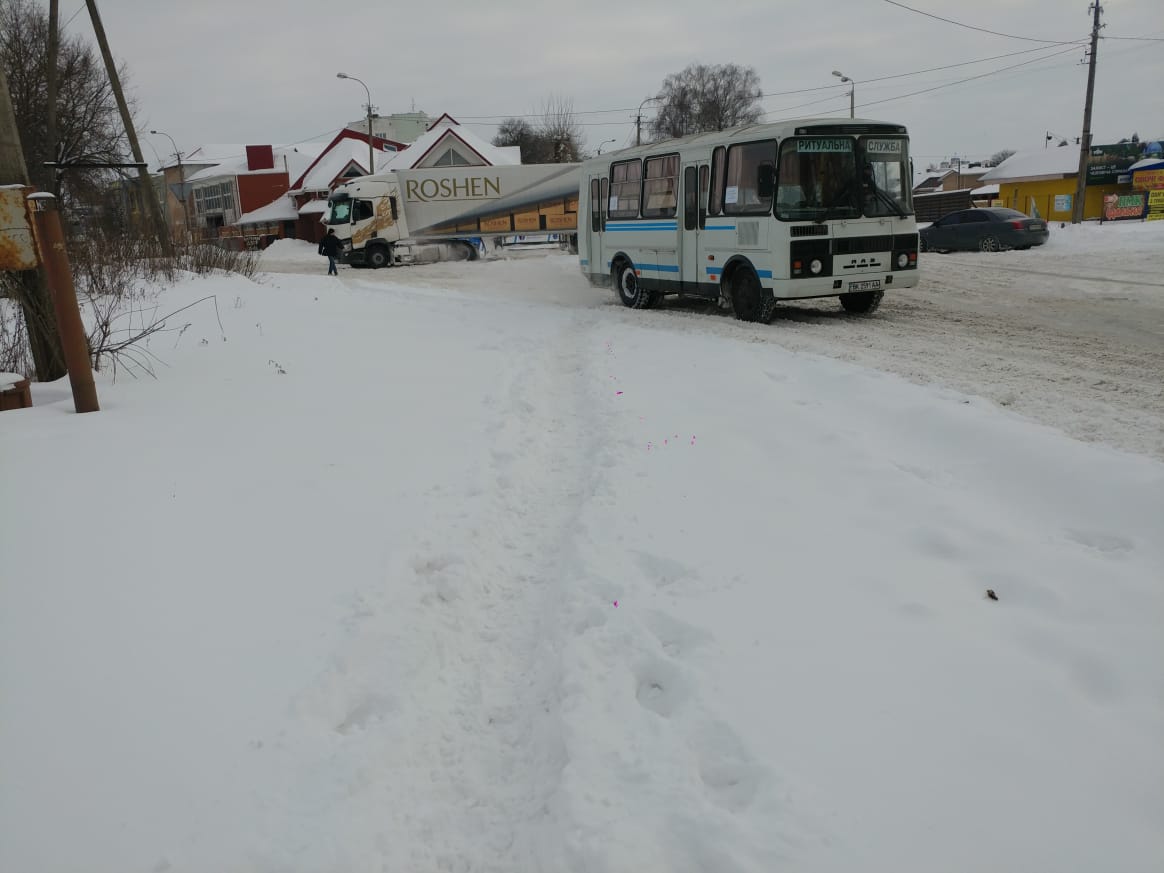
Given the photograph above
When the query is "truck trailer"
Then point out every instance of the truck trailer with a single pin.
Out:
(416, 216)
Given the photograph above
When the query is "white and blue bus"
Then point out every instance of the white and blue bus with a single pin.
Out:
(753, 215)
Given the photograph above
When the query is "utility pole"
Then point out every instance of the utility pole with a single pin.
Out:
(1085, 140)
(150, 201)
(35, 300)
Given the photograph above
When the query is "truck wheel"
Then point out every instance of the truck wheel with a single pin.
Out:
(862, 302)
(750, 300)
(630, 292)
(377, 257)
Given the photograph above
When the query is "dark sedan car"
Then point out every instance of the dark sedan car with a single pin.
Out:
(988, 230)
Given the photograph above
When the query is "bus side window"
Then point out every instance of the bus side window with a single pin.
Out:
(704, 183)
(690, 199)
(718, 163)
(602, 203)
(595, 207)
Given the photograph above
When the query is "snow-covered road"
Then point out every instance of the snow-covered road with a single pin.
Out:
(1070, 334)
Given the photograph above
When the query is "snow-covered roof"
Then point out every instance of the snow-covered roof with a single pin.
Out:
(984, 191)
(1147, 164)
(335, 161)
(492, 155)
(1039, 163)
(280, 209)
(292, 160)
(313, 207)
(209, 154)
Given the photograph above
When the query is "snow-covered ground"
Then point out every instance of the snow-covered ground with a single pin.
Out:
(464, 567)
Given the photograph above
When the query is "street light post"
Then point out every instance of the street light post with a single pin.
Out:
(605, 142)
(852, 91)
(639, 120)
(181, 180)
(371, 160)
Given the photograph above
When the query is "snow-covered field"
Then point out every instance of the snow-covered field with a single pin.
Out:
(464, 567)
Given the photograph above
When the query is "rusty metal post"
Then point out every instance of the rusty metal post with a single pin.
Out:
(50, 243)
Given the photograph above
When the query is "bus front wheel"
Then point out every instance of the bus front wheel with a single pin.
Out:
(750, 300)
(862, 302)
(630, 290)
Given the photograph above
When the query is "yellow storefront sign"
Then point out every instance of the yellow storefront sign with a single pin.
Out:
(1144, 180)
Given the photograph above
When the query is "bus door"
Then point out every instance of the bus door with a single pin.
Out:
(596, 223)
(694, 219)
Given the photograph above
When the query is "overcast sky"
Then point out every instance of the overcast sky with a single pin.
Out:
(263, 71)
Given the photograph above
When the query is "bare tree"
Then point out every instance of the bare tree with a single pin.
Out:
(1000, 156)
(561, 129)
(703, 97)
(556, 139)
(87, 120)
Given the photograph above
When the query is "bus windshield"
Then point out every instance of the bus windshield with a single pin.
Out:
(817, 179)
(836, 177)
(887, 187)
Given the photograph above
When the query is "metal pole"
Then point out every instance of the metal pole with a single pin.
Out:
(852, 92)
(50, 244)
(371, 159)
(181, 181)
(1085, 140)
(639, 120)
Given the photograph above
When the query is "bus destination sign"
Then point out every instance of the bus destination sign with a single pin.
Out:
(883, 146)
(824, 144)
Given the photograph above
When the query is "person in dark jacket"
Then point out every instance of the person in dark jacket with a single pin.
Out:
(331, 246)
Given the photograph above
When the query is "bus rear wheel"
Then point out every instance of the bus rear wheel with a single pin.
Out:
(750, 300)
(862, 302)
(630, 290)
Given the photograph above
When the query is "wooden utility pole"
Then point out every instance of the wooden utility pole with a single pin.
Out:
(1085, 140)
(35, 301)
(149, 200)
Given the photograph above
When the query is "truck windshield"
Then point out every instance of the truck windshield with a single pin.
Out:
(832, 177)
(339, 211)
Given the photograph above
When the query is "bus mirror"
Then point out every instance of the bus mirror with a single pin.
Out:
(766, 183)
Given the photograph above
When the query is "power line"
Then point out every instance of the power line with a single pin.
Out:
(972, 27)
(936, 87)
(1135, 38)
(1071, 48)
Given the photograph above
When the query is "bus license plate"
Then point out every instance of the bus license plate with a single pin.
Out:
(870, 285)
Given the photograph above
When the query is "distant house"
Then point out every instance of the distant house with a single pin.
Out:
(1042, 181)
(345, 157)
(240, 183)
(448, 144)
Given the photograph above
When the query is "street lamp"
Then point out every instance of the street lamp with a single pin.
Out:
(852, 90)
(181, 179)
(371, 160)
(639, 119)
(604, 142)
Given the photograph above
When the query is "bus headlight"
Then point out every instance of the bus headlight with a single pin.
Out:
(902, 261)
(816, 266)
